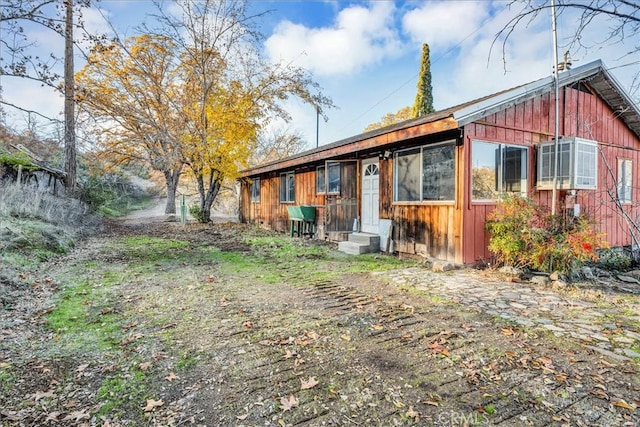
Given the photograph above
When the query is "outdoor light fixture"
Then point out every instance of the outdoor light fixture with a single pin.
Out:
(386, 154)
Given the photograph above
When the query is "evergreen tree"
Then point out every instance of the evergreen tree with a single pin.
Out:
(423, 104)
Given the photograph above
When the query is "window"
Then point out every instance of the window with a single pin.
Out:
(334, 178)
(625, 178)
(255, 190)
(333, 181)
(321, 183)
(497, 168)
(425, 173)
(287, 187)
(577, 164)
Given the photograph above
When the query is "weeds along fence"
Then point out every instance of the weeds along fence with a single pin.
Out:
(25, 202)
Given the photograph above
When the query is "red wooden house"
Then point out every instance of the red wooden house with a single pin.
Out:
(435, 178)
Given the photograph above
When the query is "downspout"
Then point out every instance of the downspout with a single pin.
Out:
(554, 190)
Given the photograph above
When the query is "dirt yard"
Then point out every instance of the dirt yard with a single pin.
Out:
(229, 325)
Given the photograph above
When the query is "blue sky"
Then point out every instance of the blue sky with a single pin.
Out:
(366, 55)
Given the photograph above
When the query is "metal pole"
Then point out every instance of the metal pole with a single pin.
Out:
(317, 127)
(557, 108)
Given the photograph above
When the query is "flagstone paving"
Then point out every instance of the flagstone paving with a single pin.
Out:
(605, 330)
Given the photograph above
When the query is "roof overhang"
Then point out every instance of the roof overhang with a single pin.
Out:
(595, 73)
(378, 139)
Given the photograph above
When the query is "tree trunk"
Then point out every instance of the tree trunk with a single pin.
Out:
(207, 194)
(214, 188)
(70, 167)
(172, 177)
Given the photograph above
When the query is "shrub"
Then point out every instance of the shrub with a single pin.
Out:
(526, 236)
(196, 212)
(611, 259)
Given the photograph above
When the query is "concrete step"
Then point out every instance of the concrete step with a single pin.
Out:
(372, 240)
(354, 248)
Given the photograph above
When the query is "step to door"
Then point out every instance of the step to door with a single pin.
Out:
(354, 248)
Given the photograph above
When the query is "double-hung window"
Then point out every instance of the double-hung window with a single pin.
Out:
(625, 178)
(255, 190)
(498, 168)
(287, 187)
(425, 173)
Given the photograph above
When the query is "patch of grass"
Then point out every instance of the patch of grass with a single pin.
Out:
(7, 379)
(122, 392)
(490, 409)
(188, 359)
(83, 319)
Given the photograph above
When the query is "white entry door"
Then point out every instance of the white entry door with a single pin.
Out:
(370, 196)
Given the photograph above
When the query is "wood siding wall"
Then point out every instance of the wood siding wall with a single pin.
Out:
(430, 229)
(340, 210)
(582, 115)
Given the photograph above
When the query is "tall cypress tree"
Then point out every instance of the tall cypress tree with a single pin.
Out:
(423, 104)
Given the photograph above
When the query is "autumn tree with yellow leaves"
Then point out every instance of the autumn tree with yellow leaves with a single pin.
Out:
(131, 89)
(196, 92)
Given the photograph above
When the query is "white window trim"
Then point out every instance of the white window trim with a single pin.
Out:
(625, 178)
(524, 186)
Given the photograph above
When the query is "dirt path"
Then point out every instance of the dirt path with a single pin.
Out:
(228, 325)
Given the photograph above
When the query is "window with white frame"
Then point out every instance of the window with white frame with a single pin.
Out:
(287, 187)
(425, 173)
(498, 168)
(255, 190)
(625, 178)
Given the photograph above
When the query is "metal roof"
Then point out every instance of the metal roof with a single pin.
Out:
(599, 79)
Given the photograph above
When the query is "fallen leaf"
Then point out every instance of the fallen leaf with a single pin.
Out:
(297, 362)
(507, 331)
(288, 403)
(4, 365)
(41, 394)
(248, 324)
(53, 416)
(172, 376)
(289, 354)
(312, 335)
(107, 310)
(82, 367)
(129, 325)
(152, 404)
(310, 383)
(622, 404)
(377, 327)
(436, 347)
(242, 417)
(345, 337)
(13, 415)
(77, 416)
(398, 404)
(407, 307)
(144, 366)
(412, 414)
(431, 402)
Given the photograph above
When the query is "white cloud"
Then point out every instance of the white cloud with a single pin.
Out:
(360, 37)
(443, 24)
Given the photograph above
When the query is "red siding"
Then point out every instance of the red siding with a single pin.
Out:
(582, 115)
